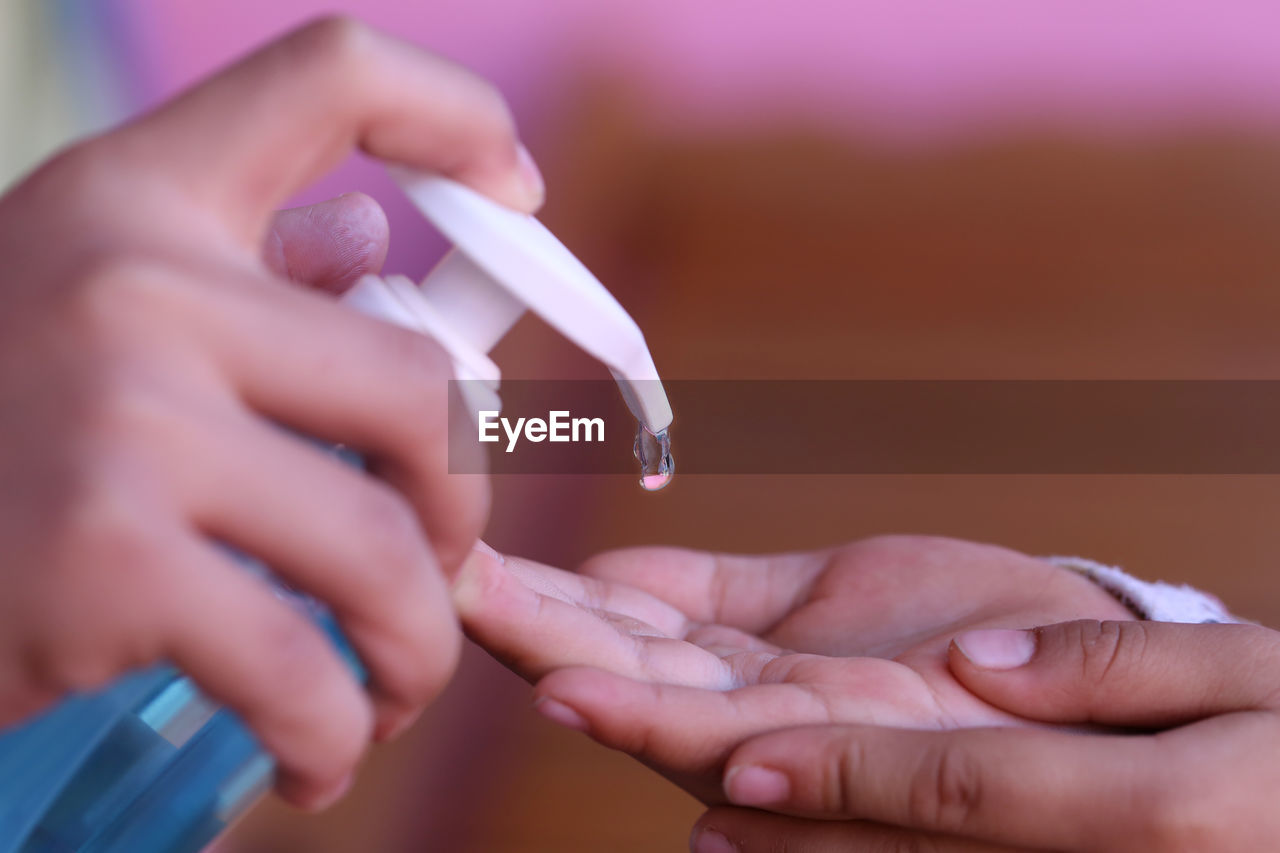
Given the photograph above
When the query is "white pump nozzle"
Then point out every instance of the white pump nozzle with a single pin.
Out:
(502, 263)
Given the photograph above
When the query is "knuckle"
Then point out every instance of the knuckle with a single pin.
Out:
(334, 41)
(127, 428)
(115, 296)
(88, 170)
(129, 411)
(844, 767)
(946, 790)
(105, 541)
(1107, 649)
(105, 527)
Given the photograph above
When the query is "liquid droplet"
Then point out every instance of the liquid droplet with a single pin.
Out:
(653, 450)
(653, 482)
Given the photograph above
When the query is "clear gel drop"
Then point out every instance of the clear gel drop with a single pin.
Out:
(654, 452)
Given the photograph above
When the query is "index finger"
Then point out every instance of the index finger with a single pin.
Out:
(249, 137)
(517, 610)
(1025, 787)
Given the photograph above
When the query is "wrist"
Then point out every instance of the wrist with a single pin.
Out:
(1149, 600)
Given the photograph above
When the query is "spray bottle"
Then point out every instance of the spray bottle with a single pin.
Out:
(150, 765)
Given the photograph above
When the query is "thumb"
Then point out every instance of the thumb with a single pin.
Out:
(1146, 674)
(329, 245)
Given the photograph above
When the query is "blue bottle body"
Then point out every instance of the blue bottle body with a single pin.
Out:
(143, 765)
(147, 764)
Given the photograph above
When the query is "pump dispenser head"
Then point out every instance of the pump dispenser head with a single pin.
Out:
(504, 262)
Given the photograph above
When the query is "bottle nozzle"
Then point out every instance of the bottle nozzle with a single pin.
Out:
(502, 263)
(653, 450)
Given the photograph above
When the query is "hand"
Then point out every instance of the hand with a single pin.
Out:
(676, 657)
(150, 349)
(1205, 781)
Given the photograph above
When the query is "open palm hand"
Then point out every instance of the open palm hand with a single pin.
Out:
(676, 656)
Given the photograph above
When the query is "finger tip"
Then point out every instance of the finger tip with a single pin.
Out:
(310, 796)
(393, 722)
(363, 222)
(512, 186)
(564, 685)
(561, 713)
(993, 649)
(489, 551)
(329, 245)
(479, 576)
(532, 183)
(707, 839)
(955, 656)
(756, 785)
(362, 209)
(589, 690)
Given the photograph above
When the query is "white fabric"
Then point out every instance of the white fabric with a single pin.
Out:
(1153, 600)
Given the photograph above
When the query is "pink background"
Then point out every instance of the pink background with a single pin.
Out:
(892, 66)
(901, 71)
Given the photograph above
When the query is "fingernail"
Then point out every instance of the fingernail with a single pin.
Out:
(484, 548)
(395, 725)
(331, 796)
(473, 582)
(751, 785)
(710, 841)
(530, 173)
(560, 713)
(997, 648)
